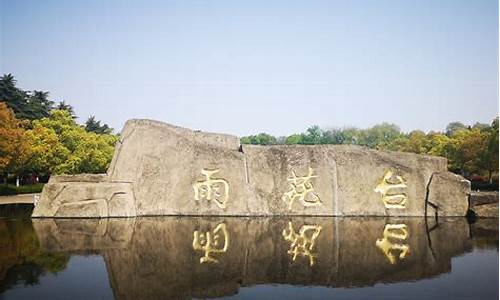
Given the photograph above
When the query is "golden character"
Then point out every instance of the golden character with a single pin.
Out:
(301, 188)
(211, 242)
(212, 189)
(388, 244)
(303, 242)
(393, 189)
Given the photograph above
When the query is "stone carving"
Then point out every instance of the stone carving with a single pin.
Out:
(211, 242)
(85, 199)
(301, 188)
(152, 174)
(212, 189)
(388, 244)
(393, 189)
(302, 243)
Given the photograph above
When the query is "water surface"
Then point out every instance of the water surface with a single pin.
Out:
(248, 258)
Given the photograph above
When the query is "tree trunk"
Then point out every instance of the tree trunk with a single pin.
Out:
(490, 177)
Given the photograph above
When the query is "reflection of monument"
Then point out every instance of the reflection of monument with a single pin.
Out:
(156, 171)
(398, 232)
(211, 243)
(155, 258)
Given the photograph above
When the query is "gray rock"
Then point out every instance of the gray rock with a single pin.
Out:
(448, 195)
(160, 169)
(489, 210)
(478, 198)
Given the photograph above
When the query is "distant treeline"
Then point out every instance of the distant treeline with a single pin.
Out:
(39, 137)
(471, 150)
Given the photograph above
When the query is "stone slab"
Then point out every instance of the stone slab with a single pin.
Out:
(489, 210)
(478, 198)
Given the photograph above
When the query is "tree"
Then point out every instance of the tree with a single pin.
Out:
(61, 146)
(26, 105)
(381, 136)
(93, 125)
(489, 155)
(312, 136)
(38, 105)
(293, 139)
(437, 143)
(14, 97)
(454, 127)
(260, 139)
(64, 106)
(464, 151)
(14, 148)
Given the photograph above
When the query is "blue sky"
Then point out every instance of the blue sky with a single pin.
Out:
(245, 67)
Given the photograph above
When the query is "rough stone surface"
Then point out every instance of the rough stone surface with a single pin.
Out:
(64, 198)
(489, 210)
(160, 169)
(484, 204)
(479, 198)
(448, 195)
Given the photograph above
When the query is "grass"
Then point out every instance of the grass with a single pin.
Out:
(11, 189)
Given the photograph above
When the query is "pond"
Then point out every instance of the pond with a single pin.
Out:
(248, 258)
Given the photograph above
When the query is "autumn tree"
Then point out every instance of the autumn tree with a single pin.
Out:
(14, 147)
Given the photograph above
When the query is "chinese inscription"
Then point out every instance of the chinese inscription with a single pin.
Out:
(302, 243)
(301, 188)
(212, 189)
(211, 242)
(393, 240)
(393, 189)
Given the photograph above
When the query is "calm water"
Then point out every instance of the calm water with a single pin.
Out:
(243, 258)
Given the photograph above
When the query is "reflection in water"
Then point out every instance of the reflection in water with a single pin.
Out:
(22, 261)
(211, 242)
(302, 243)
(397, 232)
(152, 258)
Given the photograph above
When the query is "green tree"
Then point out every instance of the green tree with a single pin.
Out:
(38, 105)
(454, 127)
(381, 136)
(64, 106)
(293, 139)
(464, 151)
(93, 125)
(489, 155)
(13, 96)
(61, 146)
(437, 143)
(312, 136)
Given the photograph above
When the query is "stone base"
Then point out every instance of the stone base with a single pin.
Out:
(85, 196)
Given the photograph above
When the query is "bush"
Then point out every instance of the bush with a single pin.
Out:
(10, 189)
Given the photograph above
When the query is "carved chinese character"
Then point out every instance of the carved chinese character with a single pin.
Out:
(393, 189)
(394, 233)
(303, 242)
(212, 189)
(211, 242)
(301, 188)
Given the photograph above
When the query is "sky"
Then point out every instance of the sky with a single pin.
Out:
(244, 67)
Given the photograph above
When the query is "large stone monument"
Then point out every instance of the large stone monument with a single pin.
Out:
(160, 169)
